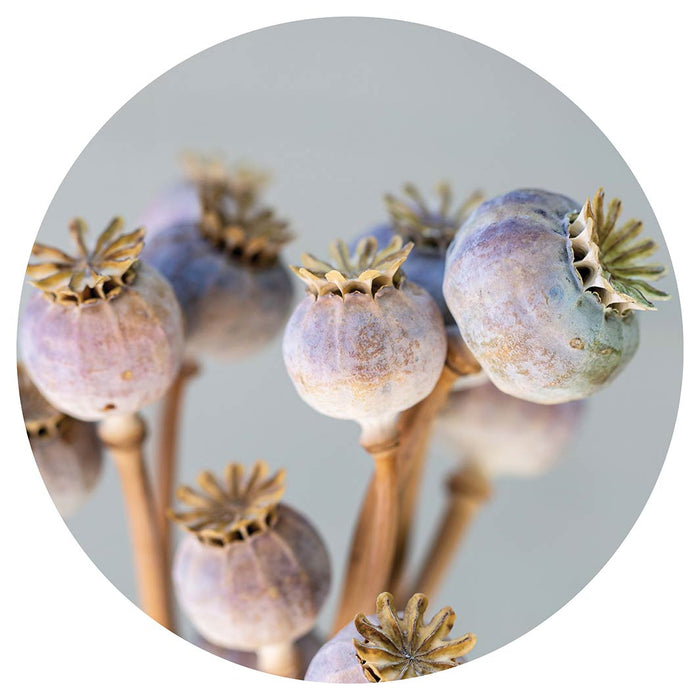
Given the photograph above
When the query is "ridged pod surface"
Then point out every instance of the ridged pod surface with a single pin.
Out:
(521, 305)
(231, 309)
(365, 343)
(506, 436)
(265, 589)
(111, 357)
(362, 357)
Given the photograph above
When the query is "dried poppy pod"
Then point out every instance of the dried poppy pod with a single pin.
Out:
(365, 344)
(225, 268)
(252, 574)
(389, 647)
(431, 230)
(105, 335)
(544, 292)
(67, 451)
(506, 436)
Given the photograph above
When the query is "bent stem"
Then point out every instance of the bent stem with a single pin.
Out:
(415, 427)
(374, 539)
(281, 659)
(468, 488)
(168, 443)
(124, 437)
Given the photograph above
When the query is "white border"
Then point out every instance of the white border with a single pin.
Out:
(69, 65)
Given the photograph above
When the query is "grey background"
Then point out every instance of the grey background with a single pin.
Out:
(343, 110)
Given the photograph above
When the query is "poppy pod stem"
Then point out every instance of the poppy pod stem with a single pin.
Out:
(280, 660)
(415, 425)
(374, 539)
(124, 436)
(468, 488)
(167, 452)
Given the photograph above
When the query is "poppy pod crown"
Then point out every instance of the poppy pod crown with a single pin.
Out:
(91, 275)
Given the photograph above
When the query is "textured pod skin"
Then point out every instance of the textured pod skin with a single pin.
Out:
(266, 589)
(362, 357)
(424, 266)
(506, 436)
(70, 463)
(107, 358)
(336, 661)
(307, 647)
(519, 303)
(176, 205)
(231, 309)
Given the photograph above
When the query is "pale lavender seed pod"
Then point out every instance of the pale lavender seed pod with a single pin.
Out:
(506, 436)
(364, 344)
(391, 646)
(105, 335)
(225, 269)
(67, 451)
(544, 293)
(251, 573)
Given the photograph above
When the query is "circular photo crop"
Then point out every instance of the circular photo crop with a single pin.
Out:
(350, 350)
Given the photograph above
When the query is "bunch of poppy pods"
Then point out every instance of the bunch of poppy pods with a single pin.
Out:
(483, 323)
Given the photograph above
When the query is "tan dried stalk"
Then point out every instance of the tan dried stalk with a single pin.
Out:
(374, 539)
(468, 489)
(167, 451)
(415, 426)
(124, 437)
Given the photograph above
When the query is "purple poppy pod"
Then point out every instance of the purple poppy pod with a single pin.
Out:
(252, 573)
(105, 334)
(506, 436)
(390, 646)
(67, 451)
(365, 344)
(225, 268)
(544, 292)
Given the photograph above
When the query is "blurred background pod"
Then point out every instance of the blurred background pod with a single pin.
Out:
(431, 227)
(103, 336)
(251, 574)
(67, 451)
(503, 435)
(222, 259)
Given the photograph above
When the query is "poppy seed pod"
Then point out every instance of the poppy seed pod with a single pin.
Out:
(388, 646)
(67, 451)
(105, 335)
(506, 436)
(251, 574)
(225, 269)
(544, 292)
(365, 344)
(431, 230)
